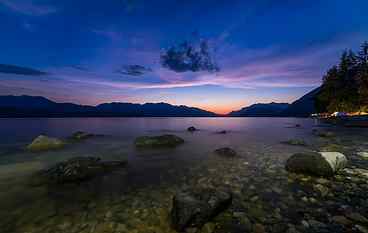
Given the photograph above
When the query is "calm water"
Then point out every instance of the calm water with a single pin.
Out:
(137, 198)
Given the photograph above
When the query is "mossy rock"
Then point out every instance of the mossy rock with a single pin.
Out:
(167, 140)
(318, 164)
(75, 170)
(44, 143)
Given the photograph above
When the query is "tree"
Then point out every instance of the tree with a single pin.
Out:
(345, 86)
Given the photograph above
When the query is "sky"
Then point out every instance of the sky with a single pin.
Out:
(266, 50)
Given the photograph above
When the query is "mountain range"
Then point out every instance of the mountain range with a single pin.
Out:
(302, 107)
(37, 106)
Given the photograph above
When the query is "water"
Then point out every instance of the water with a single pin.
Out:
(138, 198)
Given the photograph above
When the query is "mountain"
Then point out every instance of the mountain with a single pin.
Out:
(261, 110)
(12, 69)
(304, 106)
(36, 106)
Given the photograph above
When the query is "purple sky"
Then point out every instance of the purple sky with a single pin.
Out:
(266, 51)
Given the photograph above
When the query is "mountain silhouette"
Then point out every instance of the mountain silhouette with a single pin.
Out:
(37, 106)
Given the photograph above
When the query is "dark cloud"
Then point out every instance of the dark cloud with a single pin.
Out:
(12, 69)
(134, 70)
(188, 56)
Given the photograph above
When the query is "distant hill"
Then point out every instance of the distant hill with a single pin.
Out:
(261, 110)
(304, 106)
(36, 106)
(12, 69)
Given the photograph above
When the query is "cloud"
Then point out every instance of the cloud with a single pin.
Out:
(12, 69)
(188, 56)
(28, 7)
(133, 70)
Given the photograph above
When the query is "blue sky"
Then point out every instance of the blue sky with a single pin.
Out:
(267, 50)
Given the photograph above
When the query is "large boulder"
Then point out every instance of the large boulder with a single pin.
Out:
(43, 143)
(166, 140)
(75, 170)
(319, 164)
(192, 209)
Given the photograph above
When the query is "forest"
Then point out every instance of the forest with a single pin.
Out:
(345, 86)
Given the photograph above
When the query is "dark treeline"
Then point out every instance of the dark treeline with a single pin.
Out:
(345, 86)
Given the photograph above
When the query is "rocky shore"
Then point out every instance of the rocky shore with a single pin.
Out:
(322, 188)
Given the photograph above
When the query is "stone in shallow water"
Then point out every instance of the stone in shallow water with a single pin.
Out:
(319, 164)
(75, 170)
(363, 154)
(196, 208)
(80, 135)
(166, 140)
(226, 152)
(44, 143)
(295, 142)
(192, 129)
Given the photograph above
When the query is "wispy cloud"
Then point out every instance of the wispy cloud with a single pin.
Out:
(28, 7)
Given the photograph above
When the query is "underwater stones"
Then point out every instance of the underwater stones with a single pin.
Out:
(166, 140)
(295, 142)
(196, 208)
(319, 164)
(192, 129)
(44, 143)
(80, 135)
(225, 152)
(324, 134)
(75, 170)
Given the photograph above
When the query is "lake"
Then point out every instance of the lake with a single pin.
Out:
(137, 198)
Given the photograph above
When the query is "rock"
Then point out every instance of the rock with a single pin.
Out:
(196, 208)
(44, 143)
(363, 154)
(321, 189)
(222, 132)
(80, 135)
(341, 220)
(357, 218)
(75, 170)
(258, 228)
(166, 140)
(319, 164)
(361, 229)
(295, 142)
(324, 134)
(192, 129)
(226, 152)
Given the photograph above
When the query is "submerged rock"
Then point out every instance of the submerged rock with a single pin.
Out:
(295, 142)
(319, 164)
(44, 143)
(166, 140)
(192, 129)
(222, 132)
(324, 134)
(75, 170)
(80, 135)
(194, 209)
(226, 152)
